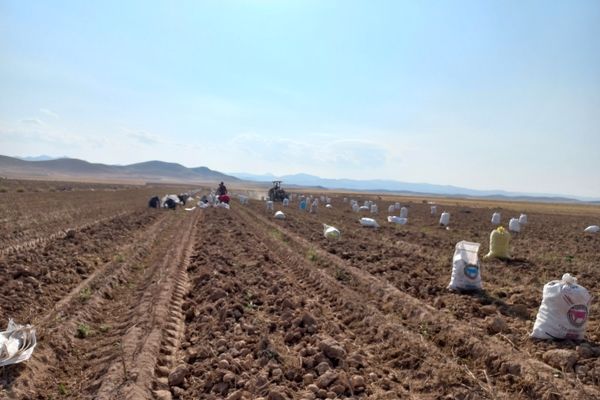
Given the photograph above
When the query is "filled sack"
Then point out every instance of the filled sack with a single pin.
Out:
(404, 212)
(499, 243)
(514, 225)
(496, 218)
(397, 220)
(369, 222)
(592, 229)
(445, 218)
(563, 313)
(466, 274)
(523, 219)
(279, 215)
(331, 232)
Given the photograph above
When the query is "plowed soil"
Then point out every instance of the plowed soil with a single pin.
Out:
(233, 304)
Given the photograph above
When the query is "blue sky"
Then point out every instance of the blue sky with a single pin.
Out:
(480, 94)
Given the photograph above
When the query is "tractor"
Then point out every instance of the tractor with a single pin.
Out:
(276, 193)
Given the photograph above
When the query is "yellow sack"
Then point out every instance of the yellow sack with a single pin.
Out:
(499, 240)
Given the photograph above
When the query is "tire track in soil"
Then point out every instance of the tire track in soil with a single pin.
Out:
(155, 324)
(502, 366)
(382, 359)
(64, 365)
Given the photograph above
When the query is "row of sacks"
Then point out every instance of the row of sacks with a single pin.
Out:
(330, 232)
(563, 313)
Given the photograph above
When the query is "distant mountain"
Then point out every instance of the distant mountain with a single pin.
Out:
(42, 157)
(71, 168)
(397, 186)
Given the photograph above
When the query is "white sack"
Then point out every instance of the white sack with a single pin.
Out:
(523, 219)
(363, 208)
(374, 209)
(563, 313)
(369, 222)
(286, 202)
(331, 232)
(433, 210)
(592, 229)
(279, 215)
(355, 207)
(514, 225)
(396, 206)
(391, 209)
(270, 205)
(397, 220)
(404, 212)
(466, 274)
(445, 218)
(496, 218)
(328, 206)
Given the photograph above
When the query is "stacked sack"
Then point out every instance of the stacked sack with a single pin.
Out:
(563, 313)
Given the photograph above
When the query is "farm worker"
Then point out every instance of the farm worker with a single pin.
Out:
(222, 189)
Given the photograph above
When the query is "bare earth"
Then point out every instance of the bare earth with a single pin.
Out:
(232, 304)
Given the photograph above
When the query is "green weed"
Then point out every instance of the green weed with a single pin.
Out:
(83, 331)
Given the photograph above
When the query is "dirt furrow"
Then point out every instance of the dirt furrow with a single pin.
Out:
(155, 320)
(67, 318)
(32, 243)
(292, 319)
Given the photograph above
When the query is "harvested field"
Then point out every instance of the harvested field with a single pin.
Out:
(218, 303)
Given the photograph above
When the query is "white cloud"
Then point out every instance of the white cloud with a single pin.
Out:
(322, 154)
(145, 137)
(31, 121)
(49, 113)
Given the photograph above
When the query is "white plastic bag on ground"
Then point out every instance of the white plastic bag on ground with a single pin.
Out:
(202, 204)
(355, 207)
(496, 218)
(270, 205)
(374, 209)
(592, 229)
(331, 232)
(514, 225)
(397, 220)
(466, 274)
(363, 208)
(445, 218)
(16, 343)
(286, 202)
(369, 222)
(391, 209)
(563, 313)
(433, 210)
(404, 212)
(279, 215)
(396, 206)
(523, 219)
(223, 205)
(328, 206)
